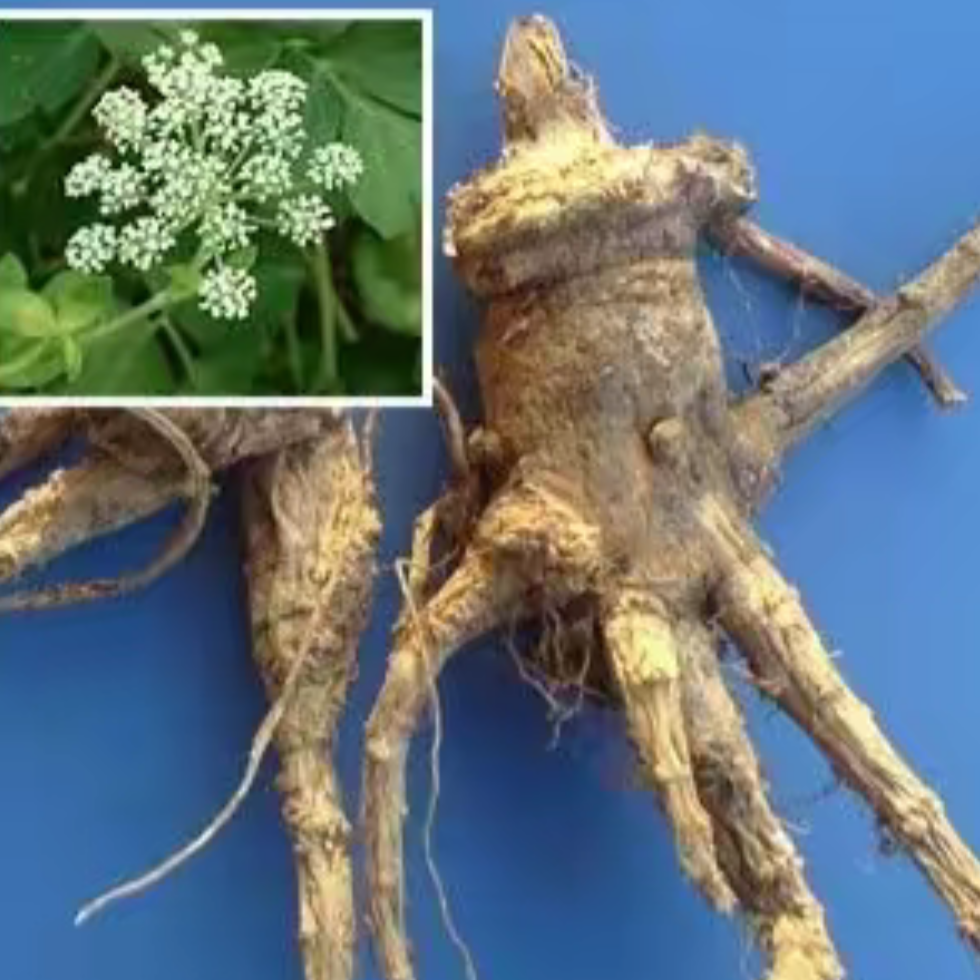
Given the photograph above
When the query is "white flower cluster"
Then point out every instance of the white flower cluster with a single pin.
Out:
(206, 155)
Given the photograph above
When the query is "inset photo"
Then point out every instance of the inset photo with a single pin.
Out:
(204, 209)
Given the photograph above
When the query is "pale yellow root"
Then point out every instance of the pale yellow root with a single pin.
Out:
(312, 529)
(195, 488)
(643, 653)
(312, 533)
(74, 505)
(763, 614)
(129, 475)
(471, 602)
(757, 854)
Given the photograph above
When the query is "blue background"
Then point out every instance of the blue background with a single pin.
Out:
(123, 726)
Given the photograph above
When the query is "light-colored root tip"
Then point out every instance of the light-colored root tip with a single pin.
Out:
(260, 745)
(471, 602)
(763, 614)
(644, 656)
(321, 842)
(756, 853)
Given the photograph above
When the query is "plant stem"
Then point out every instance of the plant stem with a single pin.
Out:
(30, 357)
(180, 349)
(294, 353)
(82, 108)
(347, 326)
(155, 304)
(327, 301)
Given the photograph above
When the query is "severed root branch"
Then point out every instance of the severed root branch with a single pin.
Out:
(742, 237)
(757, 855)
(763, 614)
(644, 657)
(312, 533)
(125, 478)
(810, 391)
(472, 601)
(196, 488)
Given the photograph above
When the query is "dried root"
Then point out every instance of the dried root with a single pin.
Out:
(643, 650)
(195, 487)
(821, 281)
(312, 529)
(763, 614)
(473, 600)
(620, 474)
(126, 477)
(29, 434)
(757, 855)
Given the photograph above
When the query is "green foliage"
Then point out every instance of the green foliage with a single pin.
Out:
(59, 330)
(43, 66)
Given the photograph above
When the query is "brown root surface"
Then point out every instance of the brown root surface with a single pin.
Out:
(472, 601)
(312, 529)
(763, 613)
(643, 650)
(127, 474)
(622, 475)
(758, 856)
(29, 434)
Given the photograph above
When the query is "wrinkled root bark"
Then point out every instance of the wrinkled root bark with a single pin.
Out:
(810, 391)
(194, 487)
(29, 434)
(125, 476)
(765, 617)
(821, 281)
(642, 650)
(756, 853)
(312, 529)
(471, 602)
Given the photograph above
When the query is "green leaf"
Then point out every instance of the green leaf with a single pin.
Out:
(324, 108)
(388, 277)
(130, 41)
(388, 195)
(247, 48)
(232, 368)
(26, 314)
(382, 59)
(43, 64)
(79, 300)
(131, 363)
(244, 258)
(364, 93)
(383, 364)
(12, 272)
(279, 287)
(28, 362)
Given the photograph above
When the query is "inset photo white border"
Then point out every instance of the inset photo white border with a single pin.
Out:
(422, 15)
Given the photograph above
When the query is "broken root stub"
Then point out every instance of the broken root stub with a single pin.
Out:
(626, 481)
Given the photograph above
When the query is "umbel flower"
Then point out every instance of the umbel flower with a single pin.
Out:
(209, 157)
